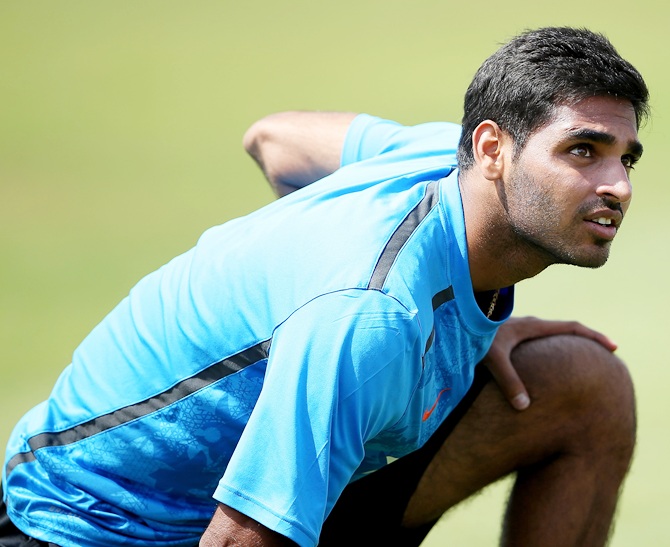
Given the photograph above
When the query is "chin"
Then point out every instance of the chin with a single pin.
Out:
(590, 260)
(593, 264)
(587, 258)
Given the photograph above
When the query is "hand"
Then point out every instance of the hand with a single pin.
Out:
(229, 527)
(517, 330)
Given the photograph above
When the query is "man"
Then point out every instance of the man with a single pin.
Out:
(306, 374)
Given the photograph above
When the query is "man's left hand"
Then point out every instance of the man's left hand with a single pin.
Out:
(514, 332)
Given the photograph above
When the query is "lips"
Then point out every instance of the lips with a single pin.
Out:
(606, 218)
(603, 228)
(603, 221)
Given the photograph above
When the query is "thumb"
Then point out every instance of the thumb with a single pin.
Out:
(508, 380)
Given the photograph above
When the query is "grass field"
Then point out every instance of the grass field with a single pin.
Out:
(120, 129)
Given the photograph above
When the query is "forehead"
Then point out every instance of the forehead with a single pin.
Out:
(608, 115)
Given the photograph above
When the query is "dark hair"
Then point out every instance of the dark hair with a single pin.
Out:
(519, 86)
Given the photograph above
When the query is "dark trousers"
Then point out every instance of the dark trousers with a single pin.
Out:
(371, 509)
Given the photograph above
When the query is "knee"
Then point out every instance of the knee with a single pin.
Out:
(588, 389)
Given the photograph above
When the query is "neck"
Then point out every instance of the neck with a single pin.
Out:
(497, 256)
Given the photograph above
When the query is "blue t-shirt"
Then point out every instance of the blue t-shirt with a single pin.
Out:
(288, 353)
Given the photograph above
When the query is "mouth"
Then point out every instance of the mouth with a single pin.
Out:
(610, 218)
(604, 227)
(603, 221)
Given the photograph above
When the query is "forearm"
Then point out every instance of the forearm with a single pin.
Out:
(229, 528)
(297, 148)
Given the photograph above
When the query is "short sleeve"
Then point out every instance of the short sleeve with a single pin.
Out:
(331, 368)
(370, 136)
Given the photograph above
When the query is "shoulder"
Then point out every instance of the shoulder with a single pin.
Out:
(353, 307)
(360, 323)
(369, 136)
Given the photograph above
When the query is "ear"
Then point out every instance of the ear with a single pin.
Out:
(488, 144)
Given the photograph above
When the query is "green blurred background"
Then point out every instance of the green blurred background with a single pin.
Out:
(120, 131)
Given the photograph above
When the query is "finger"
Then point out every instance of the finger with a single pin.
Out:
(508, 381)
(574, 327)
(599, 337)
(548, 328)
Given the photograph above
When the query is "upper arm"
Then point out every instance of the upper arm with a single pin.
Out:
(325, 394)
(370, 136)
(297, 148)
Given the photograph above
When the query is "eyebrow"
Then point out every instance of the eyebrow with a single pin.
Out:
(635, 147)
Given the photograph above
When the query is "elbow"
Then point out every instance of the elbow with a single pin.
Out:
(258, 142)
(265, 142)
(255, 137)
(267, 133)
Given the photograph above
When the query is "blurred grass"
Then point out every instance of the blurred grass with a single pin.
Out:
(120, 129)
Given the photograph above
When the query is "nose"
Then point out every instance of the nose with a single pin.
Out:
(617, 185)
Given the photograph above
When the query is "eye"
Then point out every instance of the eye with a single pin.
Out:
(629, 161)
(582, 150)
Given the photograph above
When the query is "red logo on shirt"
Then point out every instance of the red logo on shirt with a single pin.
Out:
(428, 412)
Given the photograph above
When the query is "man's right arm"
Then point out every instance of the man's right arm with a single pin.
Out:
(229, 528)
(296, 148)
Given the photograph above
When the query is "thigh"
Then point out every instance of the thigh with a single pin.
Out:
(582, 405)
(371, 509)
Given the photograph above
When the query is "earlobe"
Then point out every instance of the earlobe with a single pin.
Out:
(487, 148)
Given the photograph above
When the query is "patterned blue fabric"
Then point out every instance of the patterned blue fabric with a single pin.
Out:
(289, 352)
